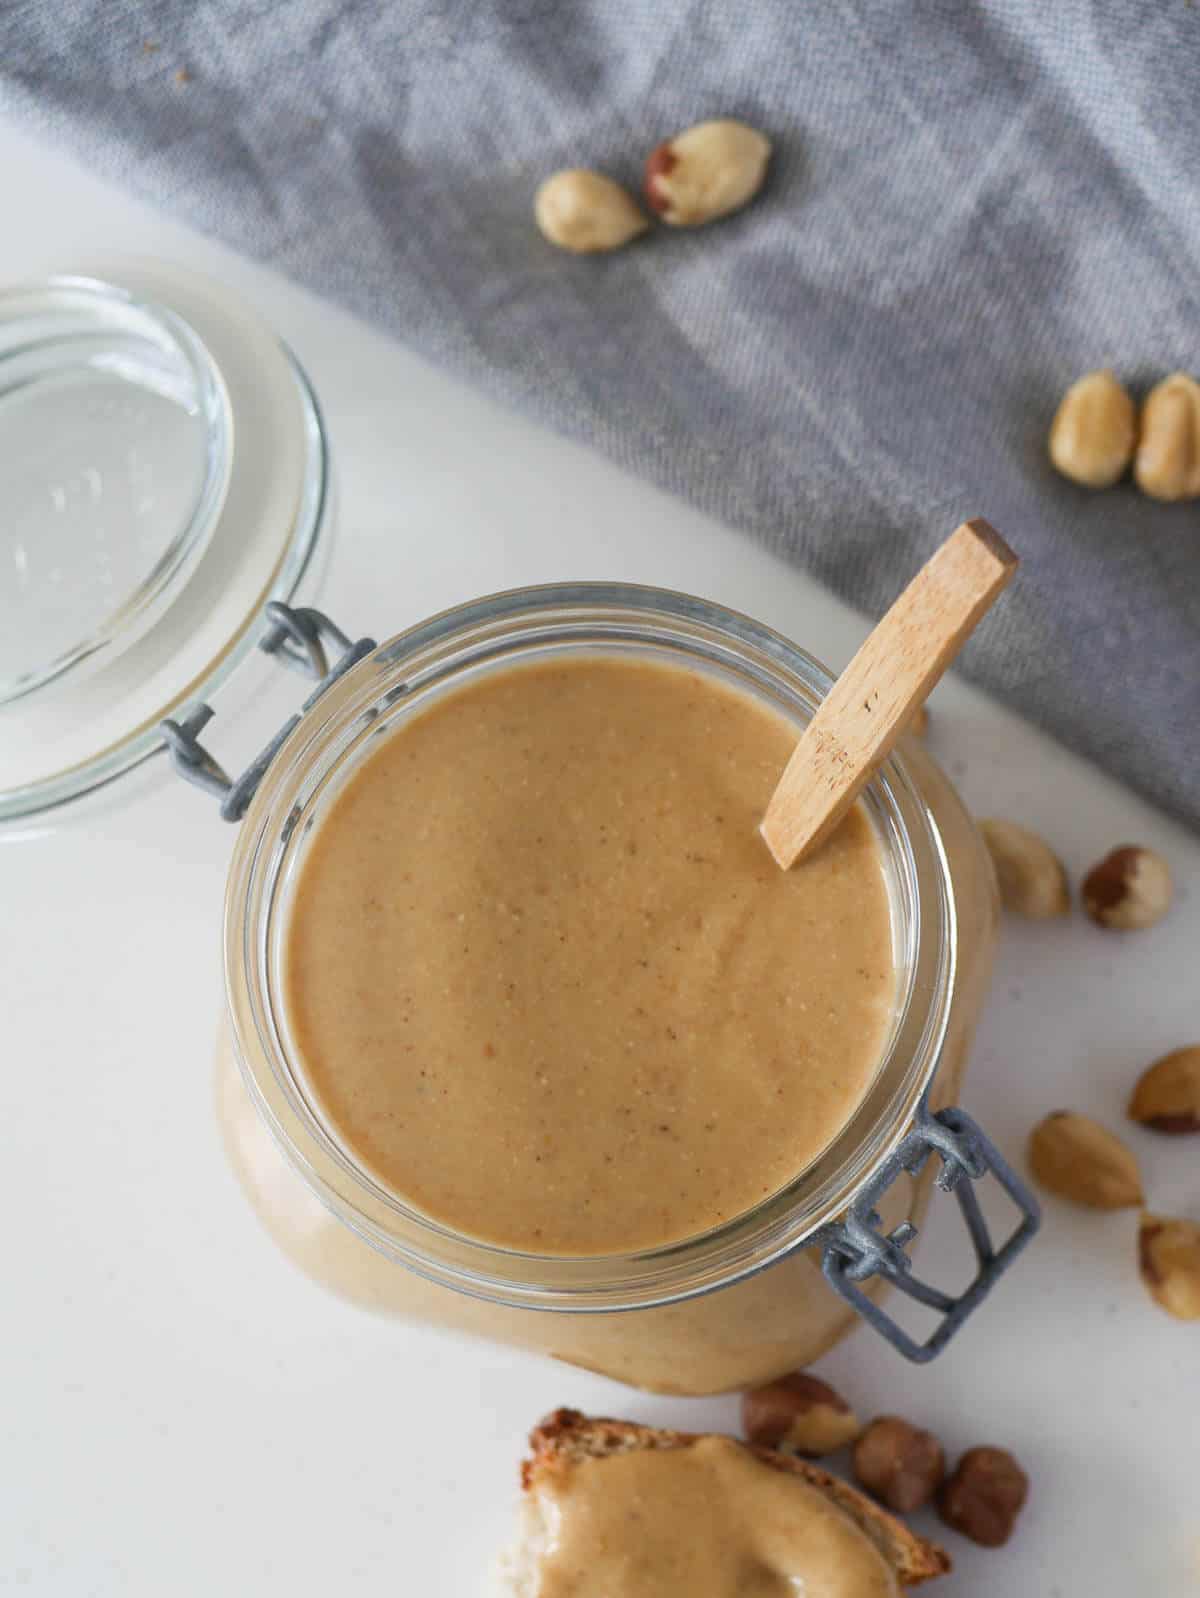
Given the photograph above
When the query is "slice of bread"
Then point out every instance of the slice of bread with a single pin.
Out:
(566, 1439)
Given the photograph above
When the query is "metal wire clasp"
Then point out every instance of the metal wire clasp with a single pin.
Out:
(298, 637)
(855, 1248)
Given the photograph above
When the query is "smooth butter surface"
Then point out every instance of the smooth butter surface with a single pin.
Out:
(546, 980)
(708, 1521)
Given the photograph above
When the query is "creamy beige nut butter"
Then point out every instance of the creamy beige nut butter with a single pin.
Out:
(708, 1520)
(538, 979)
(547, 983)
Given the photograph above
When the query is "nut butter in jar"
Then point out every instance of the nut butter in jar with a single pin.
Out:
(527, 1035)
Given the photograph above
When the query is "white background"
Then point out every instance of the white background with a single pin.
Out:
(182, 1413)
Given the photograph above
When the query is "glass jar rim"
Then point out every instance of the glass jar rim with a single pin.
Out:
(491, 633)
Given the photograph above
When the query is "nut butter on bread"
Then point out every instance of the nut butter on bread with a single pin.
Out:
(612, 1509)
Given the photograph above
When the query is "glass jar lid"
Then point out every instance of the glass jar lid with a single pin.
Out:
(115, 438)
(164, 473)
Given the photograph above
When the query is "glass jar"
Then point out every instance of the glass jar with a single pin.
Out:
(739, 1304)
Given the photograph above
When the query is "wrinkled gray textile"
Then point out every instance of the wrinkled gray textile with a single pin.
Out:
(969, 206)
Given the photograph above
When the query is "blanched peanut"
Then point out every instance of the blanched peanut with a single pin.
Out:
(1168, 456)
(1080, 1160)
(1032, 879)
(707, 172)
(1092, 435)
(585, 212)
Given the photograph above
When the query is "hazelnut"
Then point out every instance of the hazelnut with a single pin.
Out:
(1033, 880)
(1167, 1097)
(707, 172)
(1129, 889)
(1169, 1260)
(1079, 1159)
(1168, 457)
(585, 212)
(799, 1414)
(898, 1463)
(1093, 432)
(984, 1496)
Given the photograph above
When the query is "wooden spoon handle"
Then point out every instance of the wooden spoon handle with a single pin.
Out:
(869, 706)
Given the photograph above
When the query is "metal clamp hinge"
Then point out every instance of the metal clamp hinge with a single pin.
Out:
(856, 1248)
(298, 637)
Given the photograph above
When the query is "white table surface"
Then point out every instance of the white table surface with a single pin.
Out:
(184, 1414)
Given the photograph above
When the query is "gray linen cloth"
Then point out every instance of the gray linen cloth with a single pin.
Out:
(968, 207)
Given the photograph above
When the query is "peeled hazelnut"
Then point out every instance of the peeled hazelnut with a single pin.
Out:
(1168, 457)
(1169, 1259)
(585, 212)
(1079, 1159)
(1167, 1097)
(799, 1414)
(1033, 881)
(984, 1496)
(707, 172)
(1093, 432)
(1129, 889)
(899, 1464)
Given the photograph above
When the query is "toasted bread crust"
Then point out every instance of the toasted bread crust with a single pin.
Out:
(567, 1438)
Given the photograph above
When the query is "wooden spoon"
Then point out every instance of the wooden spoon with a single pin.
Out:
(876, 696)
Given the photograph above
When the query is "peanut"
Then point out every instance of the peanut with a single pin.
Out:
(1079, 1159)
(1033, 881)
(1167, 1096)
(585, 212)
(1129, 889)
(1168, 457)
(707, 172)
(1092, 435)
(1169, 1261)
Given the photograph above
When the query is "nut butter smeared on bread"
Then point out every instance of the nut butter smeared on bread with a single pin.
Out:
(616, 1510)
